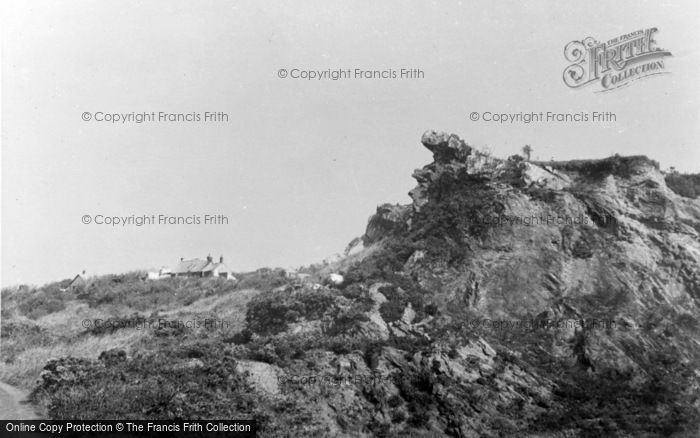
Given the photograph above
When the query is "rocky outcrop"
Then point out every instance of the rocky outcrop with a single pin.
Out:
(445, 147)
(262, 376)
(388, 220)
(594, 264)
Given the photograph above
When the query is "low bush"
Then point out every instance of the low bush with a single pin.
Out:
(611, 403)
(270, 313)
(41, 303)
(398, 298)
(263, 279)
(130, 290)
(158, 386)
(16, 336)
(347, 322)
(392, 310)
(687, 185)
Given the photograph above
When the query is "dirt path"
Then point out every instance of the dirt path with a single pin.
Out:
(13, 405)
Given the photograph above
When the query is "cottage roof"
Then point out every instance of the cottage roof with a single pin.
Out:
(78, 279)
(199, 265)
(187, 266)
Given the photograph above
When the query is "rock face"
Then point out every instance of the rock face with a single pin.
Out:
(544, 233)
(389, 219)
(261, 375)
(591, 264)
(445, 147)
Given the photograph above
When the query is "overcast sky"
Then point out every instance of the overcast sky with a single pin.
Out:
(300, 165)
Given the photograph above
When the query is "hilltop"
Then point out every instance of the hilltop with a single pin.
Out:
(509, 298)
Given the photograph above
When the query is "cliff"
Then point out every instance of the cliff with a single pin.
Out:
(510, 298)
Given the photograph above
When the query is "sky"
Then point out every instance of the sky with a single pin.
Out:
(300, 164)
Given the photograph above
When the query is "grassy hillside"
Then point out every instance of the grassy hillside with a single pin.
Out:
(116, 312)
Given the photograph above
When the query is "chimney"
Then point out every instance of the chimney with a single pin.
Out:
(221, 259)
(209, 259)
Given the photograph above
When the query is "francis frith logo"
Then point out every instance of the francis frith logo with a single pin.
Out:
(615, 63)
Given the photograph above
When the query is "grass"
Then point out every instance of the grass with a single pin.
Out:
(24, 370)
(31, 337)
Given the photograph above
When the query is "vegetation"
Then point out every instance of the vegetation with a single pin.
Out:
(161, 385)
(684, 184)
(263, 279)
(596, 169)
(272, 312)
(43, 302)
(610, 402)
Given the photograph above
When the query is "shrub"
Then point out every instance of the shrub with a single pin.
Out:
(346, 322)
(610, 402)
(41, 303)
(130, 290)
(264, 279)
(270, 313)
(391, 310)
(353, 292)
(687, 185)
(395, 401)
(417, 389)
(282, 350)
(17, 336)
(398, 298)
(158, 386)
(241, 338)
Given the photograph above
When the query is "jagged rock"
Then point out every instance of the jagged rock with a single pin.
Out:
(375, 328)
(389, 220)
(377, 296)
(445, 147)
(415, 258)
(543, 177)
(408, 314)
(261, 375)
(419, 195)
(354, 247)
